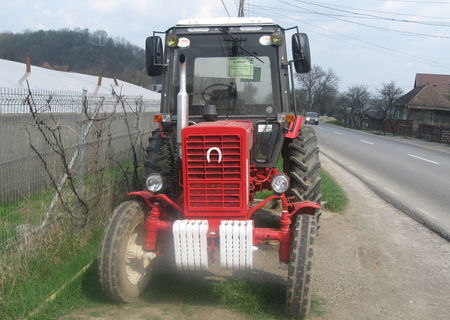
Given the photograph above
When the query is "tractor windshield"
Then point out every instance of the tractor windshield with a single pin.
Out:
(236, 72)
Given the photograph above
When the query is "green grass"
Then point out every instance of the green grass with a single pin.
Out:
(29, 275)
(332, 193)
(46, 273)
(83, 292)
(26, 211)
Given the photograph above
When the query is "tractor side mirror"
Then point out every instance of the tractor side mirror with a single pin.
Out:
(154, 56)
(300, 52)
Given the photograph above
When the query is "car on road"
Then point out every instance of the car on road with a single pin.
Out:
(312, 118)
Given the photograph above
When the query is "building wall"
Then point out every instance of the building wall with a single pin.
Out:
(430, 117)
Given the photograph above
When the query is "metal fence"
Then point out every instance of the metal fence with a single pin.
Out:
(60, 151)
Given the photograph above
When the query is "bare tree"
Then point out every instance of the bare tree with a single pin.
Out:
(320, 89)
(386, 95)
(355, 99)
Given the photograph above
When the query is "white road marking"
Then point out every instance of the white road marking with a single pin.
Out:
(390, 191)
(420, 158)
(365, 141)
(339, 133)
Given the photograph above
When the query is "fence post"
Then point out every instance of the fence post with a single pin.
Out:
(82, 156)
(140, 111)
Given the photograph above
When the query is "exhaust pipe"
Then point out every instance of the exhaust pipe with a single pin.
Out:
(182, 102)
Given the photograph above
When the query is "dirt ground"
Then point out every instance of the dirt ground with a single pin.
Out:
(372, 262)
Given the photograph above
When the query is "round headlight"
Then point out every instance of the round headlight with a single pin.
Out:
(276, 38)
(154, 182)
(171, 40)
(280, 183)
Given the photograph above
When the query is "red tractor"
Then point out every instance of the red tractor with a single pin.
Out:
(228, 114)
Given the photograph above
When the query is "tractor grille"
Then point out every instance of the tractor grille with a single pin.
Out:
(213, 185)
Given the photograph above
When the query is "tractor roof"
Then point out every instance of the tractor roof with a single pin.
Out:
(255, 21)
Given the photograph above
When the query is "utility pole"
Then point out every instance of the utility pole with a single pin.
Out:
(241, 8)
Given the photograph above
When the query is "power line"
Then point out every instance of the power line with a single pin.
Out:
(318, 4)
(338, 15)
(392, 13)
(389, 50)
(417, 1)
(367, 25)
(225, 7)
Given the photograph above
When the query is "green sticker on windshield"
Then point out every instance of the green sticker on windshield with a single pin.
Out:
(241, 68)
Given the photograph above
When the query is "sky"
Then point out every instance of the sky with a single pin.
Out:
(367, 42)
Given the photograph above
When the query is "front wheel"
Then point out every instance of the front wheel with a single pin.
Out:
(124, 267)
(299, 280)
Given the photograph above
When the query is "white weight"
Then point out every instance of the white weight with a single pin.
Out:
(190, 244)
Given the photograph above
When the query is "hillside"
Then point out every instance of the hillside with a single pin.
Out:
(78, 51)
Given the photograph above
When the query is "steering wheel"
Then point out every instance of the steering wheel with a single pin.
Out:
(232, 91)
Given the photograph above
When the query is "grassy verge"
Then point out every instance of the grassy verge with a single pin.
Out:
(45, 274)
(83, 291)
(35, 269)
(332, 193)
(26, 211)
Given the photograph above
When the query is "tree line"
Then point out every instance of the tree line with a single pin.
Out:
(319, 92)
(80, 50)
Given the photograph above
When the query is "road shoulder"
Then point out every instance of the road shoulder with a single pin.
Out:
(374, 262)
(415, 213)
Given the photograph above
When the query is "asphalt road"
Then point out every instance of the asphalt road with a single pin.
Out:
(414, 178)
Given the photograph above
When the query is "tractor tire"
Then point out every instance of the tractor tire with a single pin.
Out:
(159, 158)
(299, 280)
(302, 164)
(124, 271)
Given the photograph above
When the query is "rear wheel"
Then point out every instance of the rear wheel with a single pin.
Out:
(302, 164)
(124, 266)
(298, 291)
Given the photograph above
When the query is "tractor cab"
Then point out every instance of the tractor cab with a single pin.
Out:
(236, 69)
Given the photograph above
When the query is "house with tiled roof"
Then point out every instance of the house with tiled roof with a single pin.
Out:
(427, 105)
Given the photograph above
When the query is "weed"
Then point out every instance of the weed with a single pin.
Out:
(332, 193)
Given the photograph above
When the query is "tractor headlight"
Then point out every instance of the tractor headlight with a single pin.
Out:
(280, 183)
(171, 40)
(154, 182)
(276, 38)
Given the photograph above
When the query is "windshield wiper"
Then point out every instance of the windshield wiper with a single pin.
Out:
(236, 41)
